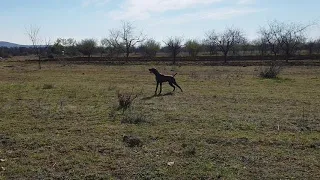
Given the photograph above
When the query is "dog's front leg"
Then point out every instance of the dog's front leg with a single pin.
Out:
(156, 89)
(160, 88)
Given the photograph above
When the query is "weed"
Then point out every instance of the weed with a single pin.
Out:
(132, 141)
(270, 72)
(125, 100)
(47, 86)
(189, 151)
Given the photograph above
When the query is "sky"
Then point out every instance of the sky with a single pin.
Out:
(158, 19)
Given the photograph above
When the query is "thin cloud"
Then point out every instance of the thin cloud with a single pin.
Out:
(216, 14)
(146, 9)
(86, 3)
(246, 1)
(143, 9)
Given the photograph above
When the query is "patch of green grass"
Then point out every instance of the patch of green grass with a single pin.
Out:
(227, 124)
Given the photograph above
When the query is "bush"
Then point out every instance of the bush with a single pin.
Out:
(193, 47)
(132, 141)
(271, 72)
(150, 48)
(125, 100)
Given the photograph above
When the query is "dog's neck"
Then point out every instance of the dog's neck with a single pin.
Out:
(155, 72)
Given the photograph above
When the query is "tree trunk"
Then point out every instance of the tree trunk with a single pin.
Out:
(39, 61)
(262, 54)
(127, 52)
(174, 54)
(310, 51)
(225, 57)
(275, 56)
(287, 58)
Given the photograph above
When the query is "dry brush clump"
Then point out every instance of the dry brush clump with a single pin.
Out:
(132, 141)
(127, 115)
(125, 100)
(271, 72)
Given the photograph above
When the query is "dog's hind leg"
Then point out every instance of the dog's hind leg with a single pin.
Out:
(174, 88)
(175, 83)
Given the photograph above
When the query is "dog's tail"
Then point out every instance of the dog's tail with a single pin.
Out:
(174, 74)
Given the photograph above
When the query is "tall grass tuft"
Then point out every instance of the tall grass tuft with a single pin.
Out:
(271, 72)
(125, 100)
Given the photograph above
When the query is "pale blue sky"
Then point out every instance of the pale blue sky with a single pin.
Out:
(158, 19)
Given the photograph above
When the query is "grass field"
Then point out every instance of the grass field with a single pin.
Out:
(62, 122)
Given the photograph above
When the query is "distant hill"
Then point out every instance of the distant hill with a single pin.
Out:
(10, 45)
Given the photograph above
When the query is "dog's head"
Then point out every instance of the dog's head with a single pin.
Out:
(153, 70)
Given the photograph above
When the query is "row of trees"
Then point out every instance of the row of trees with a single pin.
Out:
(277, 38)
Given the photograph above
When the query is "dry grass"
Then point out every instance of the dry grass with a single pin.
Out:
(227, 124)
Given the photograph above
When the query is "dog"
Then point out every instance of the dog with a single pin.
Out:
(160, 78)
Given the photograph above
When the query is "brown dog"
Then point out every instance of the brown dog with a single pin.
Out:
(160, 78)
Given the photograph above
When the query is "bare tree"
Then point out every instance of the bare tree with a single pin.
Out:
(311, 46)
(33, 33)
(125, 38)
(292, 38)
(174, 46)
(285, 37)
(228, 39)
(271, 36)
(245, 47)
(104, 46)
(129, 38)
(262, 46)
(104, 42)
(46, 47)
(317, 46)
(211, 42)
(113, 43)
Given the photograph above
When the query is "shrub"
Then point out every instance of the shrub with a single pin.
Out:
(193, 47)
(271, 72)
(150, 48)
(125, 100)
(132, 141)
